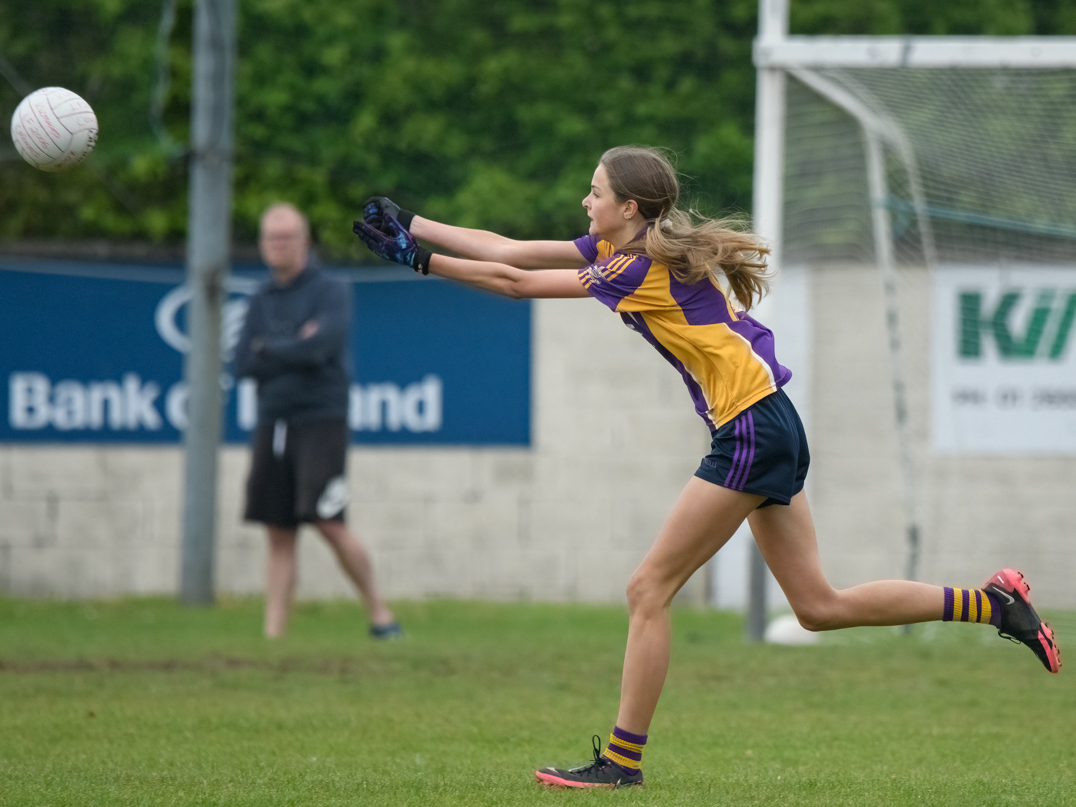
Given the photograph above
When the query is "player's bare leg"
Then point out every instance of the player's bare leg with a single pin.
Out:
(787, 540)
(280, 579)
(702, 521)
(786, 537)
(355, 561)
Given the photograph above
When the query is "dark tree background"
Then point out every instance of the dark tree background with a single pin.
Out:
(478, 113)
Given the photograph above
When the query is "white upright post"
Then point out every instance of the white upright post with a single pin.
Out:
(767, 194)
(883, 252)
(208, 241)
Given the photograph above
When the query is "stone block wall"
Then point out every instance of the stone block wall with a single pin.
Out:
(614, 441)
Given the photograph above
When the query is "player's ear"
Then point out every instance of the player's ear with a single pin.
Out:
(631, 207)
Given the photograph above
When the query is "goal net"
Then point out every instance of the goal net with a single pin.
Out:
(993, 152)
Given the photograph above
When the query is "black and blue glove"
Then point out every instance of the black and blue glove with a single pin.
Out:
(394, 243)
(378, 209)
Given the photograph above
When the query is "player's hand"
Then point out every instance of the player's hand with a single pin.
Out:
(377, 209)
(394, 244)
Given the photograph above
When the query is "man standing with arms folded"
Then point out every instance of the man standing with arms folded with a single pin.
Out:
(294, 345)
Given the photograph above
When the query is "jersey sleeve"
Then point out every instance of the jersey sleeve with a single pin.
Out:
(617, 281)
(588, 247)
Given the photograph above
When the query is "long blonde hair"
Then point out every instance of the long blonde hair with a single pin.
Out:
(692, 246)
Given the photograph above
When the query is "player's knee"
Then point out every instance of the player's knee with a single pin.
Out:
(636, 592)
(810, 621)
(645, 594)
(817, 614)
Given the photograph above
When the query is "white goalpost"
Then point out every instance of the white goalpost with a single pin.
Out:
(941, 153)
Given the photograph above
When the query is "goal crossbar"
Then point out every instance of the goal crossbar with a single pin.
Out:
(1031, 52)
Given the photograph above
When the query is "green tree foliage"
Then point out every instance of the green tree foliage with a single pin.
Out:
(482, 114)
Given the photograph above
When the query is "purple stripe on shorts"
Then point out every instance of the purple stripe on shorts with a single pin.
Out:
(751, 456)
(733, 472)
(741, 454)
(964, 600)
(744, 468)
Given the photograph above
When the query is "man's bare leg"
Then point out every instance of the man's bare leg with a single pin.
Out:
(280, 579)
(355, 561)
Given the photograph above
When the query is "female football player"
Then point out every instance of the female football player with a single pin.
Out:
(676, 279)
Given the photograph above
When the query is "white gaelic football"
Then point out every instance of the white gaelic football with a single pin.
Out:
(53, 129)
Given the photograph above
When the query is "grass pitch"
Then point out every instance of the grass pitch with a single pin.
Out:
(141, 702)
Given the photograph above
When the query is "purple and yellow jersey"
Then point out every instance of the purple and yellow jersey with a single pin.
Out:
(726, 357)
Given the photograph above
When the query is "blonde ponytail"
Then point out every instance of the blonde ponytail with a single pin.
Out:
(695, 248)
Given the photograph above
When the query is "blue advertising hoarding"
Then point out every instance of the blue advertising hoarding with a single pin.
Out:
(93, 353)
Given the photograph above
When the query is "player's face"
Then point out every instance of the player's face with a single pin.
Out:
(283, 242)
(607, 216)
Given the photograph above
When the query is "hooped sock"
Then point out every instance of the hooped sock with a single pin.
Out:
(971, 605)
(625, 749)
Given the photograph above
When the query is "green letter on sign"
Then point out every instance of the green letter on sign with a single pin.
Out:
(1064, 329)
(972, 325)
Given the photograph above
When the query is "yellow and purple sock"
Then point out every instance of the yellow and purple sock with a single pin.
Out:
(625, 749)
(971, 605)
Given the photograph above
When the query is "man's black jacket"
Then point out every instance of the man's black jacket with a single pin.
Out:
(299, 380)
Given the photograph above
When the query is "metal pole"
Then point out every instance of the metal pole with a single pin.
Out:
(756, 594)
(208, 240)
(883, 251)
(768, 199)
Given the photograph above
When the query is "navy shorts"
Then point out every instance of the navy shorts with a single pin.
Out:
(763, 451)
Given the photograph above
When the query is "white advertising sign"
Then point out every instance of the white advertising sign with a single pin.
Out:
(1003, 365)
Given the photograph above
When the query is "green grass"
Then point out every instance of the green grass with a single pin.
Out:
(143, 702)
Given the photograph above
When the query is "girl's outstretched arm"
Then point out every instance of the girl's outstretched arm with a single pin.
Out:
(507, 280)
(482, 245)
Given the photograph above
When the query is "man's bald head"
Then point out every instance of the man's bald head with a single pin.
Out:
(284, 241)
